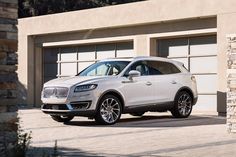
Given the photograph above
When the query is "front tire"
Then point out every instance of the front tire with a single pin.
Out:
(62, 118)
(109, 110)
(183, 105)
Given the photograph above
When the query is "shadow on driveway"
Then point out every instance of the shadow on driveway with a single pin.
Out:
(70, 152)
(157, 121)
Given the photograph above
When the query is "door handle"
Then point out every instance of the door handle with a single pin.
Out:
(173, 82)
(148, 83)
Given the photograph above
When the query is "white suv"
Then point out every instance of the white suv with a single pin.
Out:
(110, 87)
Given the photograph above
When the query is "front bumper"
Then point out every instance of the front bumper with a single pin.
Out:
(74, 109)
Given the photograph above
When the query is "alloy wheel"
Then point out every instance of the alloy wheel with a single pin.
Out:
(110, 110)
(185, 104)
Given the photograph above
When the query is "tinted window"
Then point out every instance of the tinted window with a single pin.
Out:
(158, 68)
(104, 68)
(140, 66)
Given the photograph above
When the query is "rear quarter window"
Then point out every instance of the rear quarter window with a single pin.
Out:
(162, 68)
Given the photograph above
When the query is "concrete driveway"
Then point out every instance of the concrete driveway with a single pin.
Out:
(155, 134)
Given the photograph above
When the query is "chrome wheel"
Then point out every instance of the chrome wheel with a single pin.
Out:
(185, 104)
(110, 110)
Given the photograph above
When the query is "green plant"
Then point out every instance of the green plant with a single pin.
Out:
(22, 146)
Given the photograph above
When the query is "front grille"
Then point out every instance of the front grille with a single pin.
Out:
(58, 92)
(78, 105)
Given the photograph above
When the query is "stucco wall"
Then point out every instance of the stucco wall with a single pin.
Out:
(150, 11)
(142, 22)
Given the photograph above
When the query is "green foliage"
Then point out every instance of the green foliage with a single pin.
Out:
(22, 146)
(29, 8)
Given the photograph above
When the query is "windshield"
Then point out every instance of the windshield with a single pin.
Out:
(104, 68)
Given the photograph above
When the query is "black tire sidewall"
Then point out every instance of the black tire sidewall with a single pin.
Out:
(60, 119)
(175, 111)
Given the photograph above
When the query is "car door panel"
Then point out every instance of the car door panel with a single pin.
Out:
(165, 88)
(138, 91)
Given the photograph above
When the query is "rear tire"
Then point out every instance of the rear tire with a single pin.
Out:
(62, 118)
(182, 105)
(109, 110)
(138, 114)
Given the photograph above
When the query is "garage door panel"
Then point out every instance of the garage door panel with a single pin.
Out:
(86, 53)
(178, 50)
(68, 54)
(201, 55)
(105, 51)
(50, 70)
(68, 57)
(206, 83)
(208, 49)
(67, 61)
(105, 54)
(203, 65)
(125, 53)
(50, 55)
(182, 60)
(68, 69)
(206, 103)
(203, 45)
(86, 56)
(173, 47)
(125, 49)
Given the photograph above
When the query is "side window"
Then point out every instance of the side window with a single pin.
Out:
(161, 68)
(140, 66)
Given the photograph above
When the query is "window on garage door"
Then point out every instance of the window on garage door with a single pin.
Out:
(199, 55)
(68, 61)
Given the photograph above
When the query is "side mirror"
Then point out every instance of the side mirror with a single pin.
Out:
(134, 73)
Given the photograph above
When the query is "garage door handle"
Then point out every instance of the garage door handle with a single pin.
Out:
(148, 83)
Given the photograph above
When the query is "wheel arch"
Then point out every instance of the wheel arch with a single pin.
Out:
(112, 92)
(187, 89)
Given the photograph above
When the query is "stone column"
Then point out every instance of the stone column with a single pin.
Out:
(231, 81)
(8, 76)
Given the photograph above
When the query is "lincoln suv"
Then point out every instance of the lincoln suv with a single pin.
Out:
(111, 87)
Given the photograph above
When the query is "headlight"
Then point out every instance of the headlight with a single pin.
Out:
(83, 88)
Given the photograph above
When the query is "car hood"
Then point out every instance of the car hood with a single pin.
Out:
(70, 81)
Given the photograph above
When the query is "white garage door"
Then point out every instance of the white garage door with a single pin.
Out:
(68, 61)
(199, 55)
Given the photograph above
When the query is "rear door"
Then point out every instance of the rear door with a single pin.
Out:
(164, 79)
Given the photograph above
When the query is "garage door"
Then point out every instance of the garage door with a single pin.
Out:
(199, 55)
(68, 61)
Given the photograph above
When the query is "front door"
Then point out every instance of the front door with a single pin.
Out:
(138, 91)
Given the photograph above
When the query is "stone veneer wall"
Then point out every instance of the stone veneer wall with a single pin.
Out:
(8, 76)
(231, 77)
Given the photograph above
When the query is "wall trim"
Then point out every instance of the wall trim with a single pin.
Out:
(88, 41)
(184, 33)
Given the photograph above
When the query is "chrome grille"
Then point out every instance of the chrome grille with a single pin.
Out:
(58, 92)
